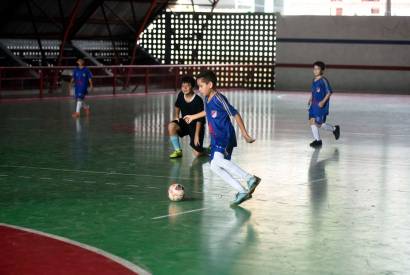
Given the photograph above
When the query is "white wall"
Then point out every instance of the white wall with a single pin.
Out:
(347, 28)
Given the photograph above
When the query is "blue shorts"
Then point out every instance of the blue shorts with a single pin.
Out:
(319, 119)
(318, 114)
(226, 151)
(80, 94)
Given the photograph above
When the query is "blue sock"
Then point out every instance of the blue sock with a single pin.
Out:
(175, 142)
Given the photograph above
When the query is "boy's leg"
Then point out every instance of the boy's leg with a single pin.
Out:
(173, 129)
(334, 129)
(327, 127)
(314, 128)
(79, 105)
(217, 167)
(315, 132)
(230, 167)
(251, 180)
(86, 107)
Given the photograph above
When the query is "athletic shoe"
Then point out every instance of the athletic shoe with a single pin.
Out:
(316, 144)
(240, 198)
(252, 184)
(176, 154)
(76, 115)
(336, 132)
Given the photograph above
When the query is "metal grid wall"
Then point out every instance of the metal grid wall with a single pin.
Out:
(216, 38)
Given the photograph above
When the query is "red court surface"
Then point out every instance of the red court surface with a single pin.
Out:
(30, 252)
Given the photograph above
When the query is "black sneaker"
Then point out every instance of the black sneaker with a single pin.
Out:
(336, 132)
(316, 144)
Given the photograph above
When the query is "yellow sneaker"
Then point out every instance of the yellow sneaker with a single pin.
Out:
(176, 154)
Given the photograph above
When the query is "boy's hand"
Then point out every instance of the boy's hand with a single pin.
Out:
(189, 118)
(196, 140)
(321, 104)
(249, 139)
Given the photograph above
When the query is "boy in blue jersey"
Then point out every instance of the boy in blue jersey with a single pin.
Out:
(319, 105)
(218, 112)
(82, 79)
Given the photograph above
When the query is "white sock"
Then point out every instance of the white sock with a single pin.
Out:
(79, 104)
(327, 127)
(225, 169)
(315, 132)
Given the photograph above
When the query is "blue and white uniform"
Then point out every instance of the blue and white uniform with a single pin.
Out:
(81, 79)
(218, 113)
(320, 88)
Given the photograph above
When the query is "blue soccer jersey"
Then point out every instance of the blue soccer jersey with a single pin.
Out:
(81, 78)
(218, 113)
(320, 88)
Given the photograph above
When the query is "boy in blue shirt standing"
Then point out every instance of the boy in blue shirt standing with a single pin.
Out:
(82, 79)
(218, 112)
(319, 105)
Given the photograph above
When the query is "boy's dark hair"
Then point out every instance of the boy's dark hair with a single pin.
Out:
(320, 64)
(80, 58)
(208, 76)
(188, 79)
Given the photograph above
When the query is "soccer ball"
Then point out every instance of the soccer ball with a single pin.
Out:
(176, 192)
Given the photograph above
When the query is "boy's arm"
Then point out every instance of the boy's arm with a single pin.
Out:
(323, 102)
(177, 112)
(328, 90)
(90, 81)
(244, 132)
(197, 131)
(72, 81)
(189, 118)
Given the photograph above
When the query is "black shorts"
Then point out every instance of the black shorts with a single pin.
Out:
(189, 130)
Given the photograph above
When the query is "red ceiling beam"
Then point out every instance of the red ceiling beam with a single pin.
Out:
(72, 17)
(141, 29)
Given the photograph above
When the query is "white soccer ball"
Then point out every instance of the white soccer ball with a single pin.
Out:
(176, 192)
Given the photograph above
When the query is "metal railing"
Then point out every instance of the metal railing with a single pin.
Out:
(49, 80)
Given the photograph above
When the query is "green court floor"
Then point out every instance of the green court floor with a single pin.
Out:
(102, 181)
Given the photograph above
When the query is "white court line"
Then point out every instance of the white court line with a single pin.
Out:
(111, 183)
(180, 213)
(317, 180)
(88, 171)
(4, 175)
(123, 262)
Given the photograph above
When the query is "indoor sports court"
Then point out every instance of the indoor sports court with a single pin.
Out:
(88, 89)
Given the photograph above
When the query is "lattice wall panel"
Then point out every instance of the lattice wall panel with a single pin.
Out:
(218, 38)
